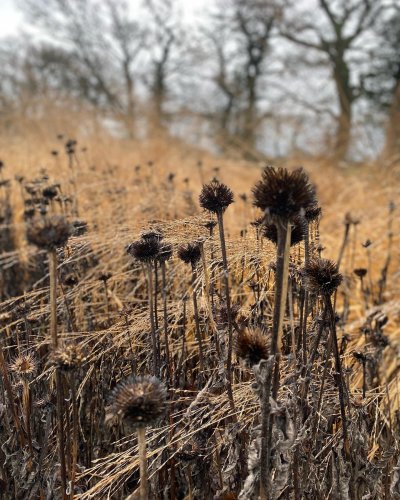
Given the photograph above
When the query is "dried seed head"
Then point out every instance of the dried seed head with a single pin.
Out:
(149, 235)
(49, 232)
(165, 252)
(141, 401)
(361, 272)
(79, 227)
(252, 346)
(144, 250)
(190, 253)
(67, 358)
(215, 197)
(24, 365)
(284, 194)
(50, 192)
(270, 231)
(313, 213)
(321, 277)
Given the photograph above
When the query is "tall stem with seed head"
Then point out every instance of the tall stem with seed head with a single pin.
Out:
(52, 254)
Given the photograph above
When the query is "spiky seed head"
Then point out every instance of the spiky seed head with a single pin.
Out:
(68, 357)
(149, 235)
(140, 401)
(24, 365)
(284, 194)
(252, 346)
(313, 213)
(270, 231)
(360, 272)
(49, 232)
(215, 197)
(144, 250)
(165, 252)
(190, 253)
(321, 277)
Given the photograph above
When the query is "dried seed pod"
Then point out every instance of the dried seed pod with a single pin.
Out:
(321, 277)
(284, 194)
(270, 231)
(67, 358)
(190, 253)
(144, 250)
(252, 346)
(24, 365)
(49, 232)
(141, 401)
(360, 272)
(215, 197)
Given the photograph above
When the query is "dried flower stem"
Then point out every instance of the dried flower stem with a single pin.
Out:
(151, 314)
(197, 321)
(165, 313)
(228, 309)
(52, 255)
(141, 433)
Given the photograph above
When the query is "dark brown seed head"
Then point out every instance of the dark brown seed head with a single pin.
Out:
(284, 194)
(49, 232)
(361, 272)
(215, 197)
(79, 227)
(144, 250)
(190, 253)
(67, 358)
(165, 252)
(252, 346)
(313, 213)
(148, 235)
(321, 277)
(270, 231)
(50, 192)
(141, 401)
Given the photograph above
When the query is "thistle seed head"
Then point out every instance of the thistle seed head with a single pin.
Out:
(24, 365)
(49, 232)
(141, 401)
(144, 250)
(190, 253)
(284, 194)
(321, 277)
(67, 358)
(215, 197)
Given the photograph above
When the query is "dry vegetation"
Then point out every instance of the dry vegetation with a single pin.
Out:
(61, 360)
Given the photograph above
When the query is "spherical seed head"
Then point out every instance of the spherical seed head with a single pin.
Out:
(215, 197)
(283, 194)
(190, 253)
(24, 365)
(67, 358)
(144, 250)
(321, 277)
(165, 252)
(270, 232)
(252, 346)
(141, 401)
(49, 232)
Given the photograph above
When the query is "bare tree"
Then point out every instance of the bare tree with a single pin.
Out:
(240, 35)
(335, 29)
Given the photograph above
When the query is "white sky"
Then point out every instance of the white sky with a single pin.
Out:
(12, 20)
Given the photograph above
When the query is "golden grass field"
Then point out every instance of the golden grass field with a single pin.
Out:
(119, 202)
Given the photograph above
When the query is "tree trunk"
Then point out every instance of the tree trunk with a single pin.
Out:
(392, 145)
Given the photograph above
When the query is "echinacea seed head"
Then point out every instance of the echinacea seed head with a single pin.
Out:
(165, 252)
(49, 232)
(144, 250)
(321, 277)
(215, 197)
(190, 253)
(284, 194)
(360, 272)
(252, 346)
(140, 401)
(270, 231)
